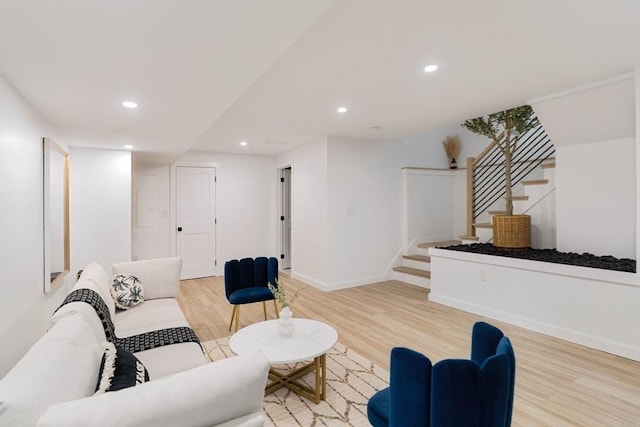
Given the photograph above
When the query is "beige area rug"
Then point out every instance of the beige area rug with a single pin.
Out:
(351, 380)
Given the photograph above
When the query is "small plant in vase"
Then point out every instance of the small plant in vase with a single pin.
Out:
(451, 146)
(285, 322)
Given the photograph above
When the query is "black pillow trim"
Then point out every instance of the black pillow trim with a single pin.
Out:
(119, 369)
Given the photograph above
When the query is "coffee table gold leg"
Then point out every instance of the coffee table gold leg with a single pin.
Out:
(323, 361)
(318, 390)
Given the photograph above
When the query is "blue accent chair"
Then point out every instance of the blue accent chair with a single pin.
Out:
(454, 392)
(245, 282)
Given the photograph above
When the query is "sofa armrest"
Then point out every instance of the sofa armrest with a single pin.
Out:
(160, 277)
(209, 395)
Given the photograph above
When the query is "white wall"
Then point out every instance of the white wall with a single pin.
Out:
(363, 211)
(593, 130)
(309, 243)
(100, 207)
(151, 211)
(595, 198)
(23, 304)
(246, 200)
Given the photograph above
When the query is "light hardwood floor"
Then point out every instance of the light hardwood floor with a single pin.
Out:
(558, 383)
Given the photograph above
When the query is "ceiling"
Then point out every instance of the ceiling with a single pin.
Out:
(210, 74)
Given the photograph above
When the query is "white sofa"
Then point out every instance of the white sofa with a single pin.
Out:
(54, 383)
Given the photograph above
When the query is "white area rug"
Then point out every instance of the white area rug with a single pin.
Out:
(351, 380)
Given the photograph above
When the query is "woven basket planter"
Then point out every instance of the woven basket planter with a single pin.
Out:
(512, 231)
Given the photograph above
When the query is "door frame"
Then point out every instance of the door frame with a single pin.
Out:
(281, 223)
(173, 201)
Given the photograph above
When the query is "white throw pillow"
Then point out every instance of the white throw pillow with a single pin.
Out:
(161, 277)
(62, 366)
(127, 291)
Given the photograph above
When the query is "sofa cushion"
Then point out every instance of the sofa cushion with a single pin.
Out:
(171, 359)
(150, 316)
(60, 367)
(205, 396)
(161, 277)
(127, 291)
(102, 283)
(119, 369)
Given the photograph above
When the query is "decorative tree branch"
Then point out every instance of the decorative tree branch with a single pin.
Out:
(513, 122)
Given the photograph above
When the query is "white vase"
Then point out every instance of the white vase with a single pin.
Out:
(285, 323)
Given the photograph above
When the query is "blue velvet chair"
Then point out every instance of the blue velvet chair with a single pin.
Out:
(245, 282)
(454, 392)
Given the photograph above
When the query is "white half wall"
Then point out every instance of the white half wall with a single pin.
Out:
(593, 307)
(595, 198)
(23, 304)
(246, 201)
(100, 207)
(432, 205)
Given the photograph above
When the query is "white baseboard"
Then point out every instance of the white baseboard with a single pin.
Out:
(598, 343)
(340, 285)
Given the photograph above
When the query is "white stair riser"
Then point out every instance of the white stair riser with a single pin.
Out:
(423, 251)
(484, 234)
(420, 265)
(423, 282)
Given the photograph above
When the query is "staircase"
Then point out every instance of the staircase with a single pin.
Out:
(416, 268)
(532, 197)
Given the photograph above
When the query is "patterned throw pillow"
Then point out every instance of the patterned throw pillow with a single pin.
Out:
(119, 369)
(127, 291)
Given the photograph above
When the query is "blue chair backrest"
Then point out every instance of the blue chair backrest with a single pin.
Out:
(409, 400)
(249, 273)
(484, 341)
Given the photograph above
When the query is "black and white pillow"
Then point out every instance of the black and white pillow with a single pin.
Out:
(119, 369)
(127, 291)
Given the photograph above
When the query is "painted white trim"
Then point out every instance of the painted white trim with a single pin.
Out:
(637, 87)
(545, 328)
(340, 285)
(601, 83)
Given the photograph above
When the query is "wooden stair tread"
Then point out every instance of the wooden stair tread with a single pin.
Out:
(519, 198)
(413, 271)
(548, 165)
(497, 212)
(421, 258)
(483, 225)
(469, 238)
(443, 243)
(535, 182)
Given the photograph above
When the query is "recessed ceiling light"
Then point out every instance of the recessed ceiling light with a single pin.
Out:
(128, 146)
(129, 104)
(342, 110)
(243, 143)
(430, 68)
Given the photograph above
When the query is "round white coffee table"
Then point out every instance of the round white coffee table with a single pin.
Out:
(310, 340)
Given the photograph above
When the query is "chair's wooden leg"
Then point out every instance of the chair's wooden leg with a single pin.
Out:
(237, 317)
(275, 307)
(233, 315)
(264, 308)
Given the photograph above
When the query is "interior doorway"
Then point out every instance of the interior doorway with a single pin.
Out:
(285, 217)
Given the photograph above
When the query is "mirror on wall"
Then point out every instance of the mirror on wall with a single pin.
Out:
(56, 214)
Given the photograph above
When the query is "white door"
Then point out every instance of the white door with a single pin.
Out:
(195, 220)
